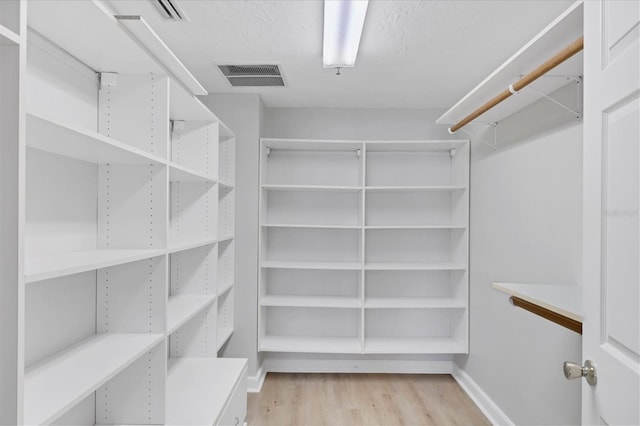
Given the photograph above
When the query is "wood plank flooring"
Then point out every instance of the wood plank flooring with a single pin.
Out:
(362, 399)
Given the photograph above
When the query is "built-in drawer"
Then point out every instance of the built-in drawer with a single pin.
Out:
(236, 410)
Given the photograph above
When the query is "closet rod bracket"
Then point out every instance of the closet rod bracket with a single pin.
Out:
(578, 109)
(268, 151)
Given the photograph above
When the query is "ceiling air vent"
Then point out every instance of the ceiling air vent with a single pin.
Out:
(253, 75)
(170, 10)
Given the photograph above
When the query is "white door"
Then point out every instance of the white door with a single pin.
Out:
(611, 324)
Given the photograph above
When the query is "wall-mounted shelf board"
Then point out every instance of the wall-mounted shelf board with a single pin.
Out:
(274, 343)
(409, 345)
(9, 36)
(414, 188)
(312, 188)
(336, 266)
(69, 141)
(225, 185)
(311, 301)
(180, 309)
(191, 398)
(188, 245)
(411, 266)
(59, 265)
(224, 335)
(415, 227)
(225, 238)
(185, 106)
(414, 146)
(561, 32)
(58, 383)
(96, 24)
(185, 174)
(311, 145)
(308, 226)
(224, 287)
(565, 300)
(413, 302)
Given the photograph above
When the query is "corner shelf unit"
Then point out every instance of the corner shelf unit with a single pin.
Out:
(123, 291)
(364, 246)
(564, 30)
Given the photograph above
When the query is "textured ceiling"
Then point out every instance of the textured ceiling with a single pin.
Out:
(413, 54)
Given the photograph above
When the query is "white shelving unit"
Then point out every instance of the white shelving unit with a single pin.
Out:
(364, 246)
(117, 273)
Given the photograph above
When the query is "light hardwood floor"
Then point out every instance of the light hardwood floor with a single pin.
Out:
(362, 399)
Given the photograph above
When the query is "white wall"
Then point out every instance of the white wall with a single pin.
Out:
(243, 114)
(526, 209)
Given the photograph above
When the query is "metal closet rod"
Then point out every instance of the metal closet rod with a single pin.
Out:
(547, 66)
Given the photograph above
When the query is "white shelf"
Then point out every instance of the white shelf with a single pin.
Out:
(412, 266)
(561, 32)
(308, 226)
(69, 141)
(224, 287)
(198, 389)
(57, 384)
(186, 107)
(47, 267)
(9, 35)
(337, 266)
(565, 300)
(415, 188)
(185, 174)
(95, 22)
(225, 238)
(311, 344)
(413, 302)
(178, 246)
(311, 301)
(181, 309)
(311, 145)
(312, 188)
(413, 345)
(373, 227)
(414, 146)
(224, 334)
(225, 185)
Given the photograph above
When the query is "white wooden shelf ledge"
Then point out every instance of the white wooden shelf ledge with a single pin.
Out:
(182, 308)
(57, 384)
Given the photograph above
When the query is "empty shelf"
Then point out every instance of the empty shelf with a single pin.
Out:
(415, 188)
(311, 344)
(311, 301)
(70, 141)
(413, 345)
(198, 389)
(413, 266)
(178, 246)
(58, 265)
(224, 287)
(178, 173)
(312, 188)
(223, 335)
(415, 227)
(181, 309)
(565, 300)
(58, 383)
(283, 264)
(309, 226)
(413, 302)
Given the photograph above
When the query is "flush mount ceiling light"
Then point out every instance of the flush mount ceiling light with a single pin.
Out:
(343, 22)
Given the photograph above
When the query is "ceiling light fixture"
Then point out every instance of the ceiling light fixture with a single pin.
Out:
(343, 22)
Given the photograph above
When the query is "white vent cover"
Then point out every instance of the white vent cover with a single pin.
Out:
(170, 10)
(253, 75)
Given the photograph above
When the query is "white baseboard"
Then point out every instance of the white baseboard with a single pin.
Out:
(254, 383)
(284, 365)
(489, 408)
